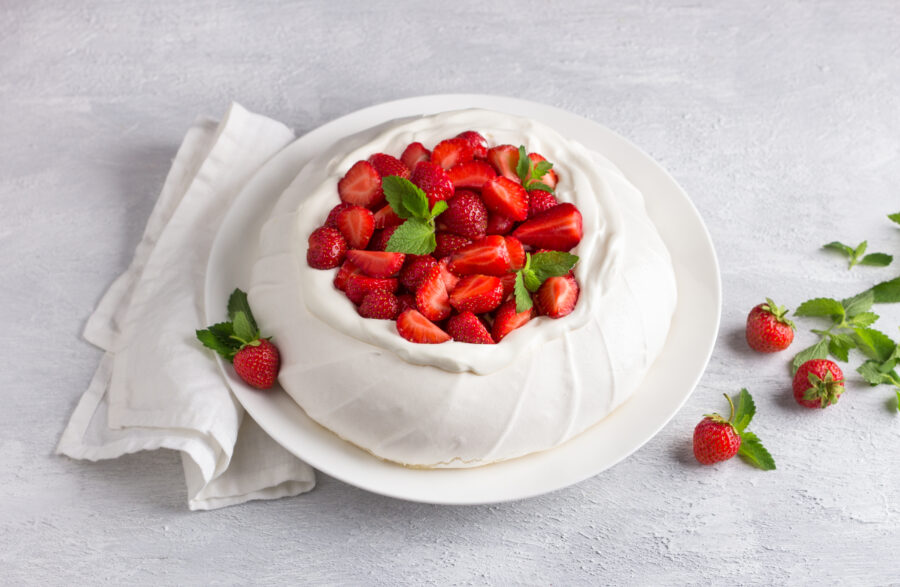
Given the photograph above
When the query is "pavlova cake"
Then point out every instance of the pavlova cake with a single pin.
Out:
(463, 288)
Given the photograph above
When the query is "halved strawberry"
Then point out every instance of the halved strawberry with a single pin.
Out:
(361, 185)
(450, 278)
(448, 243)
(414, 153)
(504, 158)
(380, 238)
(506, 197)
(477, 293)
(465, 215)
(476, 141)
(380, 304)
(516, 252)
(327, 248)
(386, 165)
(557, 296)
(557, 229)
(415, 327)
(540, 201)
(357, 225)
(452, 151)
(431, 297)
(377, 263)
(506, 319)
(471, 174)
(499, 224)
(433, 180)
(387, 217)
(344, 274)
(358, 286)
(332, 215)
(550, 177)
(488, 256)
(415, 270)
(509, 284)
(466, 327)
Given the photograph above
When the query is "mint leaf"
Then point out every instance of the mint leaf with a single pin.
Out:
(405, 198)
(523, 166)
(876, 260)
(839, 346)
(541, 169)
(523, 298)
(858, 303)
(243, 330)
(210, 340)
(439, 207)
(839, 247)
(218, 338)
(821, 307)
(744, 411)
(753, 452)
(887, 292)
(530, 279)
(872, 372)
(552, 264)
(413, 237)
(898, 400)
(860, 249)
(540, 186)
(895, 217)
(874, 344)
(864, 319)
(237, 302)
(816, 351)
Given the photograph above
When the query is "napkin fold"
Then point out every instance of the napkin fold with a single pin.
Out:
(156, 386)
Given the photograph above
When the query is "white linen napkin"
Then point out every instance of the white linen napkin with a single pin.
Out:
(156, 386)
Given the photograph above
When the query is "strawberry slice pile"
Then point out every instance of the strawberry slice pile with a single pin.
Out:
(464, 241)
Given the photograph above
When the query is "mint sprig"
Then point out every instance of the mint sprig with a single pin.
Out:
(856, 256)
(227, 338)
(416, 235)
(538, 268)
(531, 173)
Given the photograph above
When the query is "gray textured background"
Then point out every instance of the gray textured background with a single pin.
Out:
(780, 119)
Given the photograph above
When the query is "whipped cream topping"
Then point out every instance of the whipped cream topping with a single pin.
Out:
(457, 404)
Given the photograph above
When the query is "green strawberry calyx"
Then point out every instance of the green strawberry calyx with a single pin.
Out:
(779, 312)
(239, 332)
(826, 390)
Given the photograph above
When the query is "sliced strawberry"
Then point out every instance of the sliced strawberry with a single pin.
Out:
(344, 274)
(380, 304)
(361, 186)
(506, 319)
(407, 302)
(504, 159)
(380, 238)
(387, 165)
(451, 152)
(327, 248)
(506, 197)
(415, 327)
(557, 296)
(477, 294)
(332, 216)
(450, 278)
(516, 252)
(471, 174)
(448, 243)
(466, 327)
(415, 270)
(357, 225)
(377, 263)
(550, 177)
(476, 141)
(509, 284)
(387, 217)
(433, 180)
(465, 215)
(488, 256)
(359, 286)
(414, 153)
(557, 229)
(499, 224)
(431, 297)
(540, 201)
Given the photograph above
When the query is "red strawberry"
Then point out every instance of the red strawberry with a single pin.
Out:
(476, 141)
(504, 159)
(431, 297)
(506, 319)
(344, 274)
(465, 215)
(415, 270)
(549, 178)
(516, 252)
(715, 440)
(448, 243)
(488, 256)
(450, 279)
(332, 216)
(359, 286)
(477, 294)
(557, 296)
(361, 186)
(509, 284)
(415, 327)
(387, 165)
(499, 224)
(433, 180)
(258, 364)
(381, 305)
(406, 302)
(506, 197)
(414, 153)
(377, 263)
(380, 239)
(327, 248)
(768, 331)
(466, 327)
(386, 217)
(818, 383)
(452, 151)
(540, 201)
(557, 229)
(471, 174)
(357, 225)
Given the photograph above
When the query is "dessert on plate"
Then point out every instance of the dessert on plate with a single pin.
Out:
(462, 288)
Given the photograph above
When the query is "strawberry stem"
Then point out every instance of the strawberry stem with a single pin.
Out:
(731, 404)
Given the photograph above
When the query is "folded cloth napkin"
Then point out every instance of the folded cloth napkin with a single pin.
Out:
(156, 386)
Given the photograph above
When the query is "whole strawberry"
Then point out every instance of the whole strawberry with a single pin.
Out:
(768, 329)
(717, 439)
(818, 383)
(256, 360)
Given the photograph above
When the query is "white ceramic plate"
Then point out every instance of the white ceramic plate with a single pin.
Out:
(667, 386)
